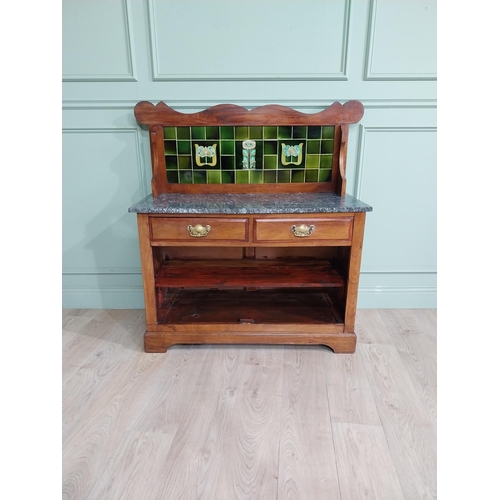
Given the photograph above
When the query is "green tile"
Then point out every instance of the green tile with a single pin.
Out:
(326, 161)
(284, 175)
(313, 147)
(241, 133)
(325, 175)
(213, 143)
(312, 175)
(314, 132)
(270, 147)
(242, 176)
(172, 177)
(284, 132)
(227, 132)
(299, 132)
(270, 132)
(184, 162)
(213, 177)
(198, 132)
(227, 177)
(255, 132)
(292, 142)
(326, 147)
(270, 176)
(227, 162)
(256, 176)
(212, 132)
(227, 147)
(169, 133)
(184, 133)
(200, 177)
(170, 147)
(312, 161)
(186, 177)
(184, 147)
(259, 147)
(327, 132)
(270, 162)
(298, 175)
(171, 162)
(238, 157)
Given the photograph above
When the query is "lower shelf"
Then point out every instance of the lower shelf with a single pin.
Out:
(260, 307)
(257, 273)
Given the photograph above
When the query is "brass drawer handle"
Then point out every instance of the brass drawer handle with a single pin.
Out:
(303, 230)
(198, 231)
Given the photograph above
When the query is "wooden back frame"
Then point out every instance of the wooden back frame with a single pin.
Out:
(160, 115)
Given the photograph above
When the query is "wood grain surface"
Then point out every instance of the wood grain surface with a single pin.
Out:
(307, 461)
(231, 114)
(249, 422)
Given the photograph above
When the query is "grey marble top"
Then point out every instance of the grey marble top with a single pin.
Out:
(289, 203)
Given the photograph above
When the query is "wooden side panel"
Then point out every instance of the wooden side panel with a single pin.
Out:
(337, 187)
(159, 180)
(341, 181)
(148, 268)
(353, 274)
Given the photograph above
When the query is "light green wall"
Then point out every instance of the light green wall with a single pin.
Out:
(300, 54)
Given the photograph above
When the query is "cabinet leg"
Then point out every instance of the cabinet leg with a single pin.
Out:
(155, 343)
(343, 345)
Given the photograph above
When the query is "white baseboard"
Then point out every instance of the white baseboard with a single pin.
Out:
(397, 297)
(103, 298)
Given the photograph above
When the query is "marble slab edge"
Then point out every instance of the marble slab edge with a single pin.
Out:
(290, 203)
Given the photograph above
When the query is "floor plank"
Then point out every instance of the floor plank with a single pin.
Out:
(250, 466)
(365, 466)
(307, 461)
(91, 444)
(409, 432)
(195, 457)
(89, 338)
(417, 351)
(133, 468)
(349, 393)
(370, 329)
(102, 366)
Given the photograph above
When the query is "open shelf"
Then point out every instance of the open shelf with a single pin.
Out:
(248, 273)
(297, 306)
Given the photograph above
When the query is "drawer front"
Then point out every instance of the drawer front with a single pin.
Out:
(303, 231)
(198, 229)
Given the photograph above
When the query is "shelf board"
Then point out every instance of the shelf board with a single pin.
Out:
(248, 273)
(238, 307)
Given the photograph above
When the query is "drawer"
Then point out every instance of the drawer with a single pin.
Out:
(198, 229)
(303, 231)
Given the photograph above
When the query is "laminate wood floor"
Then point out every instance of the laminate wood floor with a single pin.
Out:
(249, 422)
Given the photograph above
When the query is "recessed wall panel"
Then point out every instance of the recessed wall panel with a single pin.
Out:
(234, 39)
(101, 180)
(397, 176)
(97, 41)
(402, 40)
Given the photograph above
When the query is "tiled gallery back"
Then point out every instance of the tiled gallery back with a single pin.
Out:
(242, 155)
